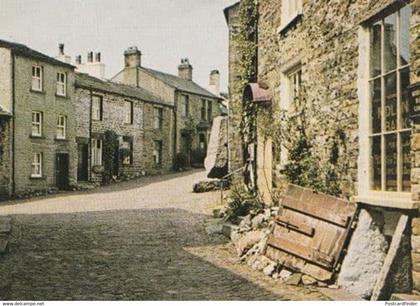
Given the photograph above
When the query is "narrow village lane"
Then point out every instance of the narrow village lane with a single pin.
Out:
(139, 240)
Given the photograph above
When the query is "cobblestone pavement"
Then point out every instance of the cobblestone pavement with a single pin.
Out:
(141, 240)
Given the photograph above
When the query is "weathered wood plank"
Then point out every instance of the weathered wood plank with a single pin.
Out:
(295, 226)
(317, 211)
(301, 251)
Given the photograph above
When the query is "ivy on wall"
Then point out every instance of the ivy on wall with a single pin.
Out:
(247, 42)
(110, 155)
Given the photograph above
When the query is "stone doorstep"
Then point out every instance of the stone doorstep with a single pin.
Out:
(405, 297)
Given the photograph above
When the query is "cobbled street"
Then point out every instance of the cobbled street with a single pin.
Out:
(138, 240)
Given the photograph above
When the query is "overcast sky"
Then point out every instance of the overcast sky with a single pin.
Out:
(164, 30)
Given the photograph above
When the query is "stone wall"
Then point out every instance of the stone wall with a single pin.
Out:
(235, 94)
(5, 158)
(51, 106)
(165, 135)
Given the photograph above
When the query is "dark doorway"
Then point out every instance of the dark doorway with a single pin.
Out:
(82, 162)
(62, 170)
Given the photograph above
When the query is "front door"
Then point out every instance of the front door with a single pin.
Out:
(62, 170)
(82, 162)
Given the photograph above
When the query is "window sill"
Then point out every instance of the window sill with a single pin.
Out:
(388, 199)
(61, 139)
(37, 177)
(284, 27)
(62, 96)
(41, 92)
(36, 137)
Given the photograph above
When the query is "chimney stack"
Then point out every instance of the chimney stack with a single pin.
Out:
(132, 57)
(185, 69)
(214, 82)
(78, 60)
(93, 66)
(61, 56)
(90, 57)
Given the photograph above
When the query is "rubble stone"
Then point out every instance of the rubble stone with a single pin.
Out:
(270, 269)
(247, 241)
(285, 274)
(308, 280)
(294, 280)
(210, 185)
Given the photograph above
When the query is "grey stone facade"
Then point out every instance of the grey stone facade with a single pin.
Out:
(191, 129)
(20, 100)
(140, 132)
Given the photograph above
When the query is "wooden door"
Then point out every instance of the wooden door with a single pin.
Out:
(62, 170)
(82, 162)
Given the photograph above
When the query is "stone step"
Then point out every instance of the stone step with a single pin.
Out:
(405, 297)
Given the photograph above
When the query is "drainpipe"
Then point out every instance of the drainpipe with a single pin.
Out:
(13, 125)
(90, 135)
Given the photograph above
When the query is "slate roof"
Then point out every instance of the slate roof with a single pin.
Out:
(86, 81)
(26, 51)
(180, 84)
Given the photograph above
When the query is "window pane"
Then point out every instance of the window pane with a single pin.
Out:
(406, 161)
(391, 102)
(391, 162)
(405, 96)
(375, 49)
(376, 105)
(376, 163)
(390, 42)
(405, 13)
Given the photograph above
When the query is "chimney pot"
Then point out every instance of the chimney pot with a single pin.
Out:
(98, 57)
(90, 57)
(61, 49)
(78, 60)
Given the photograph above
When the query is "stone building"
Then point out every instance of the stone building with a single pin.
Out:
(37, 121)
(194, 107)
(142, 121)
(345, 74)
(235, 90)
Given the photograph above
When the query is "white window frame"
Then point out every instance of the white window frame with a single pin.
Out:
(36, 165)
(394, 199)
(97, 146)
(97, 108)
(128, 160)
(61, 84)
(37, 78)
(128, 112)
(290, 10)
(157, 152)
(158, 118)
(37, 124)
(185, 105)
(61, 127)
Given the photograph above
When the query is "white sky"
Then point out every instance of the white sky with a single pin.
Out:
(164, 30)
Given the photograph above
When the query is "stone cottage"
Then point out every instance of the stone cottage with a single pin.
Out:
(340, 79)
(194, 107)
(37, 121)
(141, 121)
